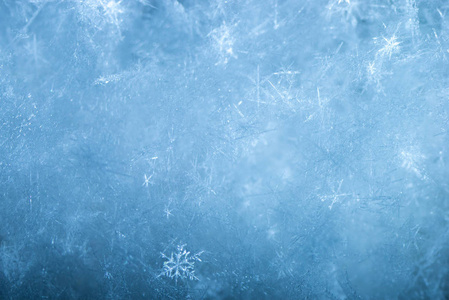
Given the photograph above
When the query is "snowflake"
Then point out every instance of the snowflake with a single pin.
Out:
(112, 10)
(335, 196)
(168, 212)
(147, 180)
(391, 46)
(371, 68)
(180, 264)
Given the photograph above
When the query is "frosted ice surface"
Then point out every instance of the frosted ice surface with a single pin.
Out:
(224, 149)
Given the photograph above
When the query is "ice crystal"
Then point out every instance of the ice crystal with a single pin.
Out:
(391, 46)
(335, 196)
(180, 264)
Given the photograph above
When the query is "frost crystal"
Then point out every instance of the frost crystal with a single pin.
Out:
(391, 46)
(180, 265)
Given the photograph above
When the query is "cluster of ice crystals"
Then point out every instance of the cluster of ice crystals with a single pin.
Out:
(304, 144)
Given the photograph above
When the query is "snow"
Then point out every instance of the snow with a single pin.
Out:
(299, 147)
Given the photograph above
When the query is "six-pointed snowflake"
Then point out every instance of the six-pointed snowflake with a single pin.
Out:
(180, 265)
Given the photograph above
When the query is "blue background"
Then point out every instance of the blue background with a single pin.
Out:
(299, 148)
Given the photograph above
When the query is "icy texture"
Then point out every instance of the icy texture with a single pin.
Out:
(301, 144)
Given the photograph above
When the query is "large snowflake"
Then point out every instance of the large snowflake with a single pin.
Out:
(180, 264)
